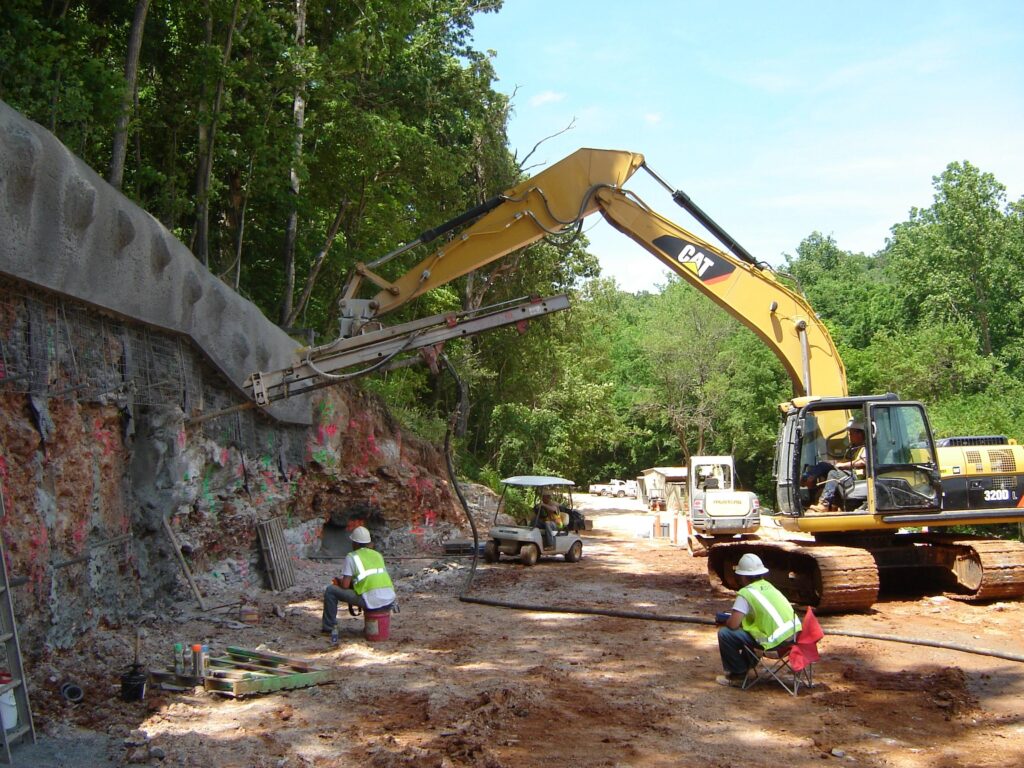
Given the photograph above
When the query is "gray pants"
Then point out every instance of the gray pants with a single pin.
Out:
(334, 595)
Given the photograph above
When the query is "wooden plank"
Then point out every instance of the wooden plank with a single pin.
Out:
(231, 664)
(269, 658)
(268, 684)
(265, 553)
(275, 552)
(272, 540)
(284, 561)
(269, 559)
(176, 546)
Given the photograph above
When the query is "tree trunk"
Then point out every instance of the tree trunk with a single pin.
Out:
(681, 435)
(55, 94)
(236, 265)
(137, 135)
(170, 219)
(199, 243)
(318, 261)
(131, 71)
(299, 116)
(207, 137)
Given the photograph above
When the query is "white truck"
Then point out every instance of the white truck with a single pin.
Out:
(620, 488)
(717, 511)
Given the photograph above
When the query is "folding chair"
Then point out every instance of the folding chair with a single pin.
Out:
(791, 665)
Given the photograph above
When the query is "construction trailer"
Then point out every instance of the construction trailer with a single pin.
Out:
(665, 484)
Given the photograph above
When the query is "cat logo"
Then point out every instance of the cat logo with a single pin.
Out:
(708, 268)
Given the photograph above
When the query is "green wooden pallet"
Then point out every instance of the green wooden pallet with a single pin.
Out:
(242, 672)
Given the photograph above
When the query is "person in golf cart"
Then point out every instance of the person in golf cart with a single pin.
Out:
(548, 517)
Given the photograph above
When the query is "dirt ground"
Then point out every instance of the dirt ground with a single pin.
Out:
(460, 684)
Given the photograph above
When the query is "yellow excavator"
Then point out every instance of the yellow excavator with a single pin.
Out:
(881, 526)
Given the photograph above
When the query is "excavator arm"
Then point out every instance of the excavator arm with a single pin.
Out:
(751, 293)
(557, 200)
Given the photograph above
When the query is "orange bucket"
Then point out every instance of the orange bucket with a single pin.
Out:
(376, 625)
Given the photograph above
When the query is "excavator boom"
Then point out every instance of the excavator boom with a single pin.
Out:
(557, 200)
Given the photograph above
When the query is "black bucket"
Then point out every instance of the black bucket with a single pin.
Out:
(133, 684)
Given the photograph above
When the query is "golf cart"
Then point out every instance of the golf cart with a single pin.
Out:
(527, 541)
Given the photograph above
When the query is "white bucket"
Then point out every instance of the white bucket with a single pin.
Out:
(8, 710)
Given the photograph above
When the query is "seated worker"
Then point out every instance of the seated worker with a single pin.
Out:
(761, 619)
(548, 517)
(841, 474)
(364, 582)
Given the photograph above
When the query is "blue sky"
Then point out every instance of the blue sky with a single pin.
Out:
(778, 119)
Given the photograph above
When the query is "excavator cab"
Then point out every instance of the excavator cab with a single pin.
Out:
(901, 473)
(903, 459)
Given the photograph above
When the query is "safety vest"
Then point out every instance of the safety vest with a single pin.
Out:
(370, 572)
(770, 620)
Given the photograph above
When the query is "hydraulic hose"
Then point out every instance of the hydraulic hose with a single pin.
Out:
(643, 615)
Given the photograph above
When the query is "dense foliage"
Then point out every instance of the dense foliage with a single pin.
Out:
(285, 141)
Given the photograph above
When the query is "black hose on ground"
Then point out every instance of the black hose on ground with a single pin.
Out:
(929, 643)
(588, 611)
(703, 620)
(641, 615)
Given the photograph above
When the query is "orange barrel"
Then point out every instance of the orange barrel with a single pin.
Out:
(376, 625)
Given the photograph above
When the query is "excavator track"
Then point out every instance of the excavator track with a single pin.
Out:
(833, 579)
(987, 569)
(838, 579)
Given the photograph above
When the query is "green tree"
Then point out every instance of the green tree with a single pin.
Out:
(955, 260)
(682, 338)
(850, 292)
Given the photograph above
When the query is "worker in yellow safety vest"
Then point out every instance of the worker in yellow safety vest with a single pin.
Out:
(761, 618)
(364, 582)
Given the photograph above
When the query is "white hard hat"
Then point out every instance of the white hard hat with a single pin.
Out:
(360, 535)
(750, 565)
(856, 425)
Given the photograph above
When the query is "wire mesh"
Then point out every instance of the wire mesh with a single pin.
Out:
(53, 347)
(56, 348)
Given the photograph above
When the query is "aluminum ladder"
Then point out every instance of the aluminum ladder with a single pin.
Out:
(12, 649)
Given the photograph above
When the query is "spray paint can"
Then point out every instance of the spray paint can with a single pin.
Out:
(197, 660)
(179, 661)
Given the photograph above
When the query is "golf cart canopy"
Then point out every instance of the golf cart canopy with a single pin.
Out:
(536, 481)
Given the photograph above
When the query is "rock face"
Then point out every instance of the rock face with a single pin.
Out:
(66, 230)
(116, 347)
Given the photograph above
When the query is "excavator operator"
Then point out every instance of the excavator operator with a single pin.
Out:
(841, 475)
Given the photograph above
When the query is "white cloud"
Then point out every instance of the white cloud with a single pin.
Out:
(546, 97)
(653, 118)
